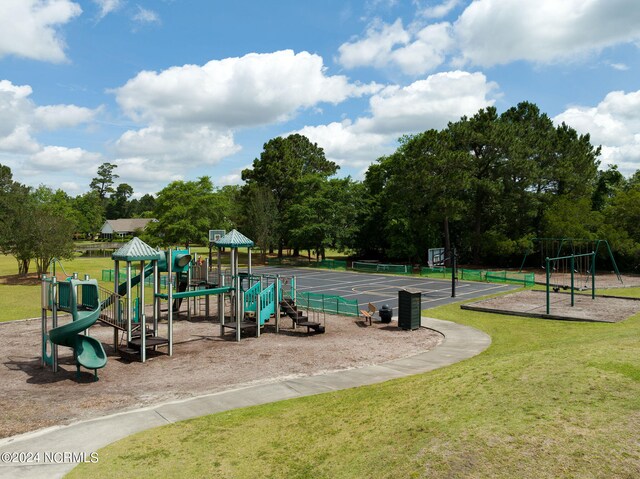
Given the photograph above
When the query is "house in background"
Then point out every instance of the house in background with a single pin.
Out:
(124, 227)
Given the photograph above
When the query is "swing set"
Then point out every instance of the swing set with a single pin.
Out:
(554, 248)
(568, 266)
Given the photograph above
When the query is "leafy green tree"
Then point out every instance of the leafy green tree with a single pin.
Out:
(608, 183)
(103, 182)
(186, 211)
(119, 205)
(287, 167)
(89, 213)
(260, 218)
(143, 208)
(16, 239)
(491, 182)
(35, 225)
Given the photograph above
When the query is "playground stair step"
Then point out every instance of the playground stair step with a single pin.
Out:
(129, 354)
(150, 342)
(317, 327)
(136, 334)
(243, 324)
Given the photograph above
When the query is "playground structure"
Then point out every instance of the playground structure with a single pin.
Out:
(253, 301)
(566, 247)
(80, 298)
(581, 264)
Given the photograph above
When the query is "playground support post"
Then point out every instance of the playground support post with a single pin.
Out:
(129, 303)
(43, 318)
(49, 297)
(170, 301)
(117, 308)
(277, 305)
(142, 318)
(54, 321)
(453, 272)
(221, 306)
(156, 299)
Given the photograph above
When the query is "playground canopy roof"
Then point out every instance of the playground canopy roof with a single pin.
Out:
(135, 250)
(234, 239)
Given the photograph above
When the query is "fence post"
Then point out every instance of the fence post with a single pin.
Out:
(571, 264)
(546, 268)
(593, 275)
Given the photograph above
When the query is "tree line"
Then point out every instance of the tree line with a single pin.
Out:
(487, 184)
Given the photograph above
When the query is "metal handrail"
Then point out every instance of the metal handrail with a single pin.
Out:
(113, 310)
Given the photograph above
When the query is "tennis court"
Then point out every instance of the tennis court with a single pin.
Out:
(382, 289)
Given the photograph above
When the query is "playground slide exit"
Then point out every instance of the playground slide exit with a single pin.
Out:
(89, 351)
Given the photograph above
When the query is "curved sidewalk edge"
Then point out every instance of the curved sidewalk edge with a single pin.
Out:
(58, 443)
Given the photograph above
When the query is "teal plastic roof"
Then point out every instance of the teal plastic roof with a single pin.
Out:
(135, 250)
(234, 239)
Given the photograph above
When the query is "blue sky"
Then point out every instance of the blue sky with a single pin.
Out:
(177, 89)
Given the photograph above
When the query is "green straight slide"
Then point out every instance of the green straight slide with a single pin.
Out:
(88, 351)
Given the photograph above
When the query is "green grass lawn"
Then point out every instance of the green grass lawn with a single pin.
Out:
(18, 301)
(548, 399)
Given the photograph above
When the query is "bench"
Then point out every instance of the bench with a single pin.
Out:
(368, 313)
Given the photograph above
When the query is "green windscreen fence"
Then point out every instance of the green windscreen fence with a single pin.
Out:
(328, 303)
(325, 263)
(506, 277)
(381, 268)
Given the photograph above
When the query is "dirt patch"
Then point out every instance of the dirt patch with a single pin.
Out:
(31, 279)
(603, 280)
(203, 362)
(533, 303)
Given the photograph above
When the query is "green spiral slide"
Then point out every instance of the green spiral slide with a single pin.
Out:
(88, 351)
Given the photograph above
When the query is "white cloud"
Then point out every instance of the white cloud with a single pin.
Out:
(429, 103)
(414, 52)
(231, 179)
(16, 110)
(163, 145)
(19, 140)
(30, 28)
(426, 52)
(145, 171)
(108, 6)
(619, 66)
(615, 124)
(63, 158)
(191, 112)
(440, 10)
(425, 104)
(145, 16)
(72, 188)
(53, 117)
(347, 145)
(21, 119)
(375, 48)
(491, 32)
(255, 89)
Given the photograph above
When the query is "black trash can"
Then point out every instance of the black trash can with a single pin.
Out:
(409, 309)
(386, 313)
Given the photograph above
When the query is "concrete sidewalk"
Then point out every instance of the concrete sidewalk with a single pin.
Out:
(460, 342)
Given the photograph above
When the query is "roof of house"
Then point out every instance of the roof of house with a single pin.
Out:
(129, 224)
